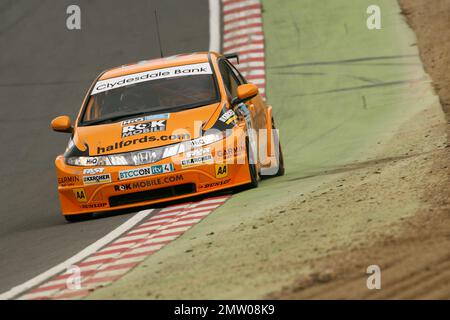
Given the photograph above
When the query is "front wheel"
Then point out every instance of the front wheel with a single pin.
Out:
(252, 167)
(281, 169)
(78, 217)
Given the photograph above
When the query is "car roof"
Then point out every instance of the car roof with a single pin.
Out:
(141, 66)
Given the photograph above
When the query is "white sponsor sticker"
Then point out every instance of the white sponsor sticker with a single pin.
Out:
(93, 171)
(228, 116)
(197, 161)
(98, 179)
(198, 153)
(179, 71)
(144, 172)
(202, 141)
(145, 119)
(142, 128)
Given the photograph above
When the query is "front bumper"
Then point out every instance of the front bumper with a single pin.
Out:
(109, 192)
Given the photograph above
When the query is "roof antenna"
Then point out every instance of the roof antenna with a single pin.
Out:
(159, 37)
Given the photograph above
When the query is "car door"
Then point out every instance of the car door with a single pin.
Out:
(232, 79)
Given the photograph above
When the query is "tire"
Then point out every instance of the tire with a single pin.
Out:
(252, 168)
(280, 172)
(79, 217)
(281, 169)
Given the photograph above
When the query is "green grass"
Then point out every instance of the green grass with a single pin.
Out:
(336, 87)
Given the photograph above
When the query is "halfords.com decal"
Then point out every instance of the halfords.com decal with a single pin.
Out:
(114, 83)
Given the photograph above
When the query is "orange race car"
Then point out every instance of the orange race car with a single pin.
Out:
(165, 129)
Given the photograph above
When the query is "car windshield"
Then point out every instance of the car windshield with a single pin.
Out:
(163, 90)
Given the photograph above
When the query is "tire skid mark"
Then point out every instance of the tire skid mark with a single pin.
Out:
(413, 283)
(369, 86)
(345, 61)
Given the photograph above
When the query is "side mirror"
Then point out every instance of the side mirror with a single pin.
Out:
(62, 124)
(245, 92)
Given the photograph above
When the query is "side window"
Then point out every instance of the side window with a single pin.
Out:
(229, 78)
(237, 74)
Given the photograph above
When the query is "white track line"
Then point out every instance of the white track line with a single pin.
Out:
(214, 25)
(127, 225)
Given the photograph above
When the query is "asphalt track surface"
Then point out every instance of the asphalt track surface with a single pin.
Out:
(46, 70)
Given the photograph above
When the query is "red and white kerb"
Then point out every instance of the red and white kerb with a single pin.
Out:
(243, 33)
(123, 254)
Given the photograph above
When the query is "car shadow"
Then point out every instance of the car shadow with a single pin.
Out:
(114, 213)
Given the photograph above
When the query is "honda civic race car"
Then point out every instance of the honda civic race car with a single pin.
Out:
(163, 130)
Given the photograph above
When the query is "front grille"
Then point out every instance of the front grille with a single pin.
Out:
(149, 195)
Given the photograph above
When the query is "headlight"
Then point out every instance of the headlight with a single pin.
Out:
(147, 156)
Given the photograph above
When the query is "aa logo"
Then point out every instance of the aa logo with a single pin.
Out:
(80, 195)
(221, 171)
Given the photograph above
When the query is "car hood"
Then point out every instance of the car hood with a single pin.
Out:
(137, 133)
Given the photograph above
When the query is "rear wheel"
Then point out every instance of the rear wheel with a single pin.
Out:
(79, 217)
(279, 154)
(281, 169)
